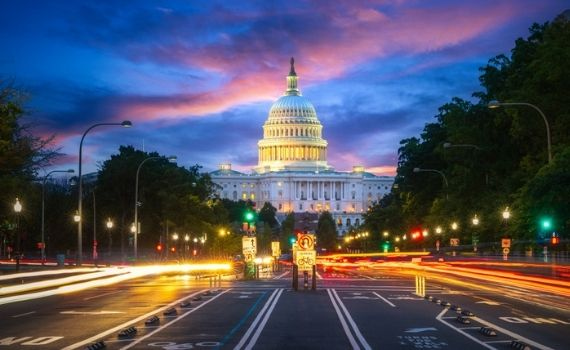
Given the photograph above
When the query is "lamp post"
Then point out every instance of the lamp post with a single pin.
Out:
(474, 237)
(497, 104)
(171, 159)
(419, 170)
(125, 124)
(43, 247)
(18, 210)
(109, 225)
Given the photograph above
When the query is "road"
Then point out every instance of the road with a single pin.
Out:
(351, 309)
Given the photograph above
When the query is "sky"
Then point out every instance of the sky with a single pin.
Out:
(197, 78)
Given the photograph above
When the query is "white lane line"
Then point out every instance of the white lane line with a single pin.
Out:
(253, 339)
(256, 320)
(281, 275)
(363, 341)
(351, 339)
(102, 295)
(319, 276)
(370, 278)
(173, 321)
(512, 334)
(440, 319)
(27, 313)
(128, 323)
(386, 300)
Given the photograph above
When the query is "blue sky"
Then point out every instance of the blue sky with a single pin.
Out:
(197, 78)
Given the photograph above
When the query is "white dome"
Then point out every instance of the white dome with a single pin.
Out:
(292, 133)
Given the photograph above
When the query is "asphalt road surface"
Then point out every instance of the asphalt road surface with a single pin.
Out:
(349, 310)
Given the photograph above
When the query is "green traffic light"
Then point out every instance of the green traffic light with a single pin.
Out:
(249, 216)
(546, 223)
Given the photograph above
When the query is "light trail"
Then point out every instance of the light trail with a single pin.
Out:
(105, 278)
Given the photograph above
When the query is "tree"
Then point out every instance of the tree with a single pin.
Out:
(22, 155)
(287, 228)
(326, 232)
(267, 214)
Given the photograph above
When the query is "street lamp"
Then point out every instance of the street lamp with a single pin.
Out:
(76, 216)
(109, 225)
(385, 233)
(419, 170)
(124, 124)
(43, 247)
(438, 230)
(497, 104)
(506, 214)
(18, 210)
(171, 159)
(475, 220)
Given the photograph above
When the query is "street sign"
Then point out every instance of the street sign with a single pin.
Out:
(305, 259)
(454, 242)
(275, 249)
(505, 243)
(306, 242)
(249, 247)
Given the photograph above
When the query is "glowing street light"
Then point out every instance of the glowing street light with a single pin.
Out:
(76, 216)
(454, 226)
(385, 233)
(475, 220)
(438, 230)
(18, 210)
(506, 214)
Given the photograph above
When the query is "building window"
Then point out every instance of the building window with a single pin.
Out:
(357, 222)
(337, 207)
(353, 185)
(252, 196)
(280, 193)
(234, 195)
(301, 206)
(312, 208)
(353, 206)
(353, 194)
(244, 195)
(280, 206)
(348, 222)
(235, 185)
(339, 222)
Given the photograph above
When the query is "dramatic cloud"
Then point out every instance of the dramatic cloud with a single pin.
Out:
(197, 78)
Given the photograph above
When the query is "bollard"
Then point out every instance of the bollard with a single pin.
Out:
(295, 278)
(305, 279)
(314, 282)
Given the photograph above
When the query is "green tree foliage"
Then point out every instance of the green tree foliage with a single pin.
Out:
(267, 214)
(22, 155)
(326, 232)
(287, 231)
(497, 157)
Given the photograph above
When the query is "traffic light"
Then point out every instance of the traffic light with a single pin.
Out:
(555, 240)
(386, 246)
(159, 247)
(546, 223)
(249, 216)
(292, 240)
(173, 249)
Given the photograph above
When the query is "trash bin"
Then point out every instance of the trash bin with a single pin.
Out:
(60, 258)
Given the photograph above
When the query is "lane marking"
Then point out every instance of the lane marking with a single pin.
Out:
(138, 340)
(512, 334)
(102, 295)
(440, 319)
(368, 277)
(280, 276)
(24, 314)
(363, 341)
(384, 299)
(102, 312)
(263, 322)
(241, 322)
(257, 319)
(351, 339)
(128, 323)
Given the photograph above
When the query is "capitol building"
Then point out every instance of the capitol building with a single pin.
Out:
(292, 172)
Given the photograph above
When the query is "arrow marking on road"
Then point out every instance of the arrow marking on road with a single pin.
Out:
(418, 330)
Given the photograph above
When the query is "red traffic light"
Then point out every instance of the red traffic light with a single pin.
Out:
(173, 249)
(159, 247)
(555, 240)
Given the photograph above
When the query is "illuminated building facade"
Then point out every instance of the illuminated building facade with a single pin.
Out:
(292, 172)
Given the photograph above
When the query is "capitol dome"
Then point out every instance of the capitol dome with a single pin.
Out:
(292, 134)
